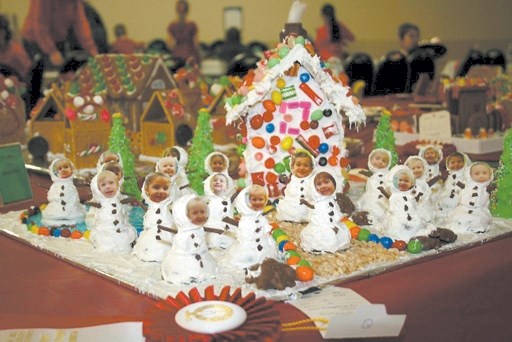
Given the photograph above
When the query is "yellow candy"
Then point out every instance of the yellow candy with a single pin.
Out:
(34, 229)
(87, 233)
(276, 97)
(282, 238)
(280, 83)
(287, 143)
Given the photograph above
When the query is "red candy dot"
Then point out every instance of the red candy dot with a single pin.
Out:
(275, 140)
(400, 245)
(269, 163)
(304, 125)
(271, 177)
(256, 121)
(268, 116)
(314, 141)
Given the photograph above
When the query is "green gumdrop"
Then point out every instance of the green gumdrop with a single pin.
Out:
(300, 40)
(279, 168)
(304, 263)
(277, 232)
(317, 115)
(283, 51)
(363, 235)
(236, 99)
(414, 246)
(224, 81)
(241, 183)
(272, 62)
(240, 149)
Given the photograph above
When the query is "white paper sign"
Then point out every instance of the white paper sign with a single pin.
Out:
(435, 126)
(369, 320)
(126, 332)
(349, 314)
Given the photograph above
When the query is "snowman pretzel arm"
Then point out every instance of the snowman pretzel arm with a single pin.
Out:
(306, 203)
(127, 200)
(491, 187)
(233, 197)
(383, 192)
(230, 220)
(366, 173)
(81, 182)
(93, 204)
(184, 186)
(418, 196)
(213, 230)
(345, 203)
(434, 180)
(167, 229)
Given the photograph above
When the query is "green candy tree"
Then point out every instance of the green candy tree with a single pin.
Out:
(501, 199)
(202, 146)
(385, 137)
(119, 143)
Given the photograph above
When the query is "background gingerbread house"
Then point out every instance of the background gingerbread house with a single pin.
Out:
(12, 110)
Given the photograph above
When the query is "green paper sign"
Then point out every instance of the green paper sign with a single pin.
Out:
(14, 181)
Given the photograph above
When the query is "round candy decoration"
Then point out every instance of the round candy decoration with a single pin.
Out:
(304, 273)
(327, 112)
(314, 124)
(256, 121)
(258, 142)
(279, 168)
(283, 51)
(258, 156)
(276, 97)
(401, 245)
(268, 116)
(354, 231)
(272, 62)
(280, 83)
(210, 317)
(373, 238)
(364, 234)
(386, 242)
(270, 163)
(322, 161)
(317, 115)
(314, 141)
(323, 148)
(269, 106)
(300, 40)
(287, 143)
(414, 246)
(277, 232)
(304, 77)
(275, 140)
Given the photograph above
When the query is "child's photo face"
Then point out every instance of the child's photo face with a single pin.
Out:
(380, 160)
(302, 167)
(324, 184)
(64, 169)
(455, 163)
(158, 189)
(219, 184)
(257, 200)
(218, 163)
(416, 167)
(168, 166)
(404, 181)
(480, 173)
(108, 184)
(197, 212)
(431, 155)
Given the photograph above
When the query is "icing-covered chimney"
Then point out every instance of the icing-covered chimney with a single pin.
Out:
(293, 26)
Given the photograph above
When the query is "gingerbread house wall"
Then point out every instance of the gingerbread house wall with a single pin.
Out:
(85, 141)
(305, 119)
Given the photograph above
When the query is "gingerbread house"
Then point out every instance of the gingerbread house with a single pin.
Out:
(292, 101)
(12, 111)
(126, 81)
(165, 122)
(47, 120)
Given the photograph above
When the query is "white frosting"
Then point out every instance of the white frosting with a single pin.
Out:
(181, 175)
(219, 207)
(402, 220)
(289, 207)
(325, 232)
(210, 317)
(64, 206)
(188, 260)
(254, 242)
(154, 243)
(449, 196)
(111, 230)
(175, 190)
(426, 208)
(472, 214)
(372, 199)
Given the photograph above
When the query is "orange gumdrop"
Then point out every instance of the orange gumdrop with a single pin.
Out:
(274, 225)
(293, 260)
(333, 161)
(275, 140)
(289, 246)
(304, 273)
(258, 142)
(44, 231)
(304, 125)
(314, 141)
(269, 163)
(344, 162)
(269, 105)
(76, 234)
(354, 231)
(271, 177)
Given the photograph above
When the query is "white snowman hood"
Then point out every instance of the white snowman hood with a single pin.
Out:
(467, 174)
(145, 195)
(423, 161)
(96, 193)
(179, 211)
(372, 168)
(242, 203)
(55, 175)
(158, 166)
(207, 166)
(100, 162)
(183, 159)
(392, 180)
(467, 162)
(315, 195)
(230, 190)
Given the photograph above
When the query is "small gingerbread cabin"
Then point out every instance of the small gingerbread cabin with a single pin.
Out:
(47, 120)
(291, 102)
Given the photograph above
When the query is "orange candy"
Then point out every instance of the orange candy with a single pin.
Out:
(354, 231)
(314, 141)
(344, 162)
(289, 246)
(274, 225)
(275, 140)
(304, 125)
(268, 116)
(258, 142)
(333, 161)
(293, 260)
(269, 163)
(304, 273)
(269, 105)
(76, 234)
(256, 121)
(271, 177)
(44, 231)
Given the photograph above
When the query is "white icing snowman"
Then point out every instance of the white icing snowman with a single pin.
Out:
(472, 215)
(372, 199)
(181, 176)
(163, 165)
(218, 189)
(111, 230)
(189, 260)
(419, 167)
(216, 162)
(325, 232)
(154, 243)
(64, 206)
(289, 207)
(254, 242)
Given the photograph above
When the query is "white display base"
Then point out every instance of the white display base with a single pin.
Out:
(479, 146)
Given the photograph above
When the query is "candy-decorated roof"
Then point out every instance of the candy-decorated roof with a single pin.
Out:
(280, 61)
